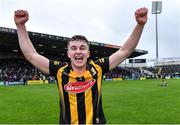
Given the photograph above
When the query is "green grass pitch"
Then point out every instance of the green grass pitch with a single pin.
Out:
(124, 102)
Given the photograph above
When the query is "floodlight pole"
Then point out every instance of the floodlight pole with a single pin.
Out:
(156, 9)
(157, 51)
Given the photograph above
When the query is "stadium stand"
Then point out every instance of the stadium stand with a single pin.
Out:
(153, 68)
(53, 47)
(14, 69)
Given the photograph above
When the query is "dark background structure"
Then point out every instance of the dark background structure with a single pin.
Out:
(51, 46)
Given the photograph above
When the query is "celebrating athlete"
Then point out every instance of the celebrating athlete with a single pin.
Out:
(80, 81)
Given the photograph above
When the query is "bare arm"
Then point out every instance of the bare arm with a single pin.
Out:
(131, 43)
(27, 48)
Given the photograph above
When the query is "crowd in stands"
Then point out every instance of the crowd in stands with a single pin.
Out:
(170, 69)
(119, 72)
(21, 70)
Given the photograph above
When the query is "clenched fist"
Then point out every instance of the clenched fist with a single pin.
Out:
(141, 16)
(21, 17)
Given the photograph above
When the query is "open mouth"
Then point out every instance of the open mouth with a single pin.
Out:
(78, 58)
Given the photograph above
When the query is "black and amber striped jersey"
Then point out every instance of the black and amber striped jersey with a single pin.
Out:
(80, 95)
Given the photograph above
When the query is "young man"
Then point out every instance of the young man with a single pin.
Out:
(79, 82)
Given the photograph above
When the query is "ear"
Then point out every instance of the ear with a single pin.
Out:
(68, 54)
(88, 54)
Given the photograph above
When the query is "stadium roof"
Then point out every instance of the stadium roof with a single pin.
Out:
(51, 46)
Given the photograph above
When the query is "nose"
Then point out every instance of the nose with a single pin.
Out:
(78, 50)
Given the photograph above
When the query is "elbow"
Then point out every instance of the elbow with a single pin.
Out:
(29, 57)
(129, 53)
(126, 53)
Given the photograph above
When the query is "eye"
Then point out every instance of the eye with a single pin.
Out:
(73, 48)
(83, 48)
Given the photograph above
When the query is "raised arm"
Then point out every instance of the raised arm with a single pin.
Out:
(27, 48)
(131, 43)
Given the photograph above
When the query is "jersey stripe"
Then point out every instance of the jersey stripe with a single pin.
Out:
(98, 77)
(66, 97)
(81, 104)
(59, 75)
(81, 108)
(94, 94)
(89, 106)
(88, 100)
(73, 104)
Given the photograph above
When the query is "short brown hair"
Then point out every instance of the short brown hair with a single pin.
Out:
(78, 38)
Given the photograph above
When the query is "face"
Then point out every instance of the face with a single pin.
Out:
(78, 52)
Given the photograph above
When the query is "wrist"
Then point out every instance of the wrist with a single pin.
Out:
(140, 25)
(20, 25)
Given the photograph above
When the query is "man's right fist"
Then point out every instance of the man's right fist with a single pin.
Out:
(21, 17)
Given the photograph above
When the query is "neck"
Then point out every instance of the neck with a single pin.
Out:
(79, 70)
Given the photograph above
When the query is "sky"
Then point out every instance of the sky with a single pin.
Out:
(105, 21)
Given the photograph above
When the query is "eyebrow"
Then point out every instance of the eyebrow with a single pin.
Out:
(83, 46)
(74, 46)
